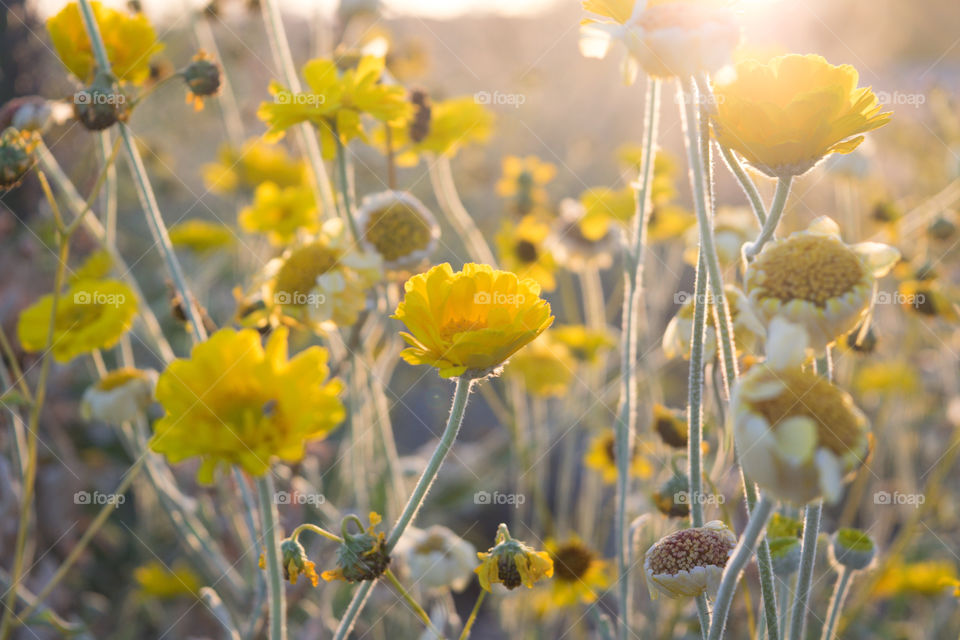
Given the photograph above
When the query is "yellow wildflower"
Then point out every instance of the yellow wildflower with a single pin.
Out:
(545, 366)
(579, 576)
(523, 250)
(511, 563)
(602, 457)
(254, 163)
(441, 128)
(584, 343)
(280, 212)
(523, 180)
(159, 581)
(201, 236)
(927, 578)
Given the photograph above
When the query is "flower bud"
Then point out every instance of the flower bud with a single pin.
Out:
(672, 498)
(101, 105)
(16, 157)
(852, 548)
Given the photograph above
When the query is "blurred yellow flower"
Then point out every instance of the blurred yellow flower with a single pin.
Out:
(129, 40)
(926, 578)
(603, 207)
(511, 563)
(732, 227)
(545, 366)
(523, 250)
(236, 402)
(602, 457)
(470, 320)
(157, 580)
(254, 163)
(929, 296)
(584, 343)
(450, 125)
(572, 248)
(91, 314)
(96, 267)
(119, 396)
(335, 102)
(201, 236)
(280, 212)
(786, 115)
(523, 180)
(886, 378)
(580, 576)
(669, 221)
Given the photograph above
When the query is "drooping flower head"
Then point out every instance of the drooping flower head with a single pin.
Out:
(812, 278)
(400, 228)
(786, 115)
(236, 402)
(511, 563)
(471, 320)
(689, 562)
(295, 562)
(361, 556)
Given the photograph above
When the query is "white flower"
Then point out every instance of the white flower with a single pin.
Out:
(690, 561)
(119, 396)
(438, 558)
(399, 227)
(574, 250)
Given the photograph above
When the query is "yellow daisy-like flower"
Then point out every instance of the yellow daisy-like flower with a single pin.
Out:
(604, 207)
(602, 457)
(523, 250)
(336, 102)
(887, 378)
(471, 320)
(585, 344)
(523, 181)
(511, 563)
(361, 556)
(667, 38)
(236, 402)
(545, 366)
(129, 40)
(669, 221)
(927, 578)
(280, 212)
(579, 576)
(441, 128)
(689, 562)
(96, 267)
(788, 114)
(321, 281)
(799, 435)
(251, 165)
(571, 246)
(400, 228)
(159, 581)
(119, 396)
(201, 236)
(812, 278)
(929, 297)
(91, 314)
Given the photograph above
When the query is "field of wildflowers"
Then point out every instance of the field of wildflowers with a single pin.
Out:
(371, 325)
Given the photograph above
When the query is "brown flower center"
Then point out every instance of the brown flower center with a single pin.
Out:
(571, 561)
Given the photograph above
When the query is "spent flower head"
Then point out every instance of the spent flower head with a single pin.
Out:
(512, 563)
(689, 562)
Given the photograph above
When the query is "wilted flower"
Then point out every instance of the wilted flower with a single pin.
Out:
(203, 77)
(523, 250)
(256, 403)
(361, 556)
(101, 105)
(280, 212)
(689, 562)
(437, 557)
(294, 562)
(470, 320)
(400, 228)
(511, 563)
(786, 115)
(119, 396)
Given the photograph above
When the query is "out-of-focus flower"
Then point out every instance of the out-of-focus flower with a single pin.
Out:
(91, 314)
(886, 378)
(784, 555)
(129, 40)
(441, 128)
(798, 434)
(16, 156)
(361, 556)
(788, 114)
(253, 164)
(669, 221)
(470, 320)
(96, 267)
(523, 181)
(671, 425)
(747, 327)
(929, 296)
(336, 102)
(400, 228)
(256, 403)
(280, 212)
(666, 38)
(201, 236)
(119, 396)
(604, 207)
(545, 366)
(202, 76)
(689, 562)
(579, 576)
(672, 497)
(926, 578)
(662, 190)
(853, 549)
(602, 458)
(523, 250)
(156, 580)
(320, 281)
(437, 557)
(812, 278)
(732, 227)
(100, 105)
(583, 342)
(511, 563)
(572, 248)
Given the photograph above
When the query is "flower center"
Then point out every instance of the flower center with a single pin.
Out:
(808, 394)
(397, 231)
(688, 549)
(571, 561)
(432, 543)
(299, 272)
(813, 268)
(457, 325)
(507, 571)
(526, 251)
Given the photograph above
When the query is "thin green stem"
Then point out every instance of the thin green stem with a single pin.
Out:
(412, 602)
(836, 602)
(468, 627)
(345, 187)
(269, 523)
(109, 200)
(808, 555)
(746, 183)
(627, 415)
(736, 563)
(695, 395)
(773, 218)
(320, 531)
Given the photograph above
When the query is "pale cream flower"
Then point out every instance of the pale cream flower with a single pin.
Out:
(438, 558)
(119, 396)
(689, 562)
(399, 227)
(747, 328)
